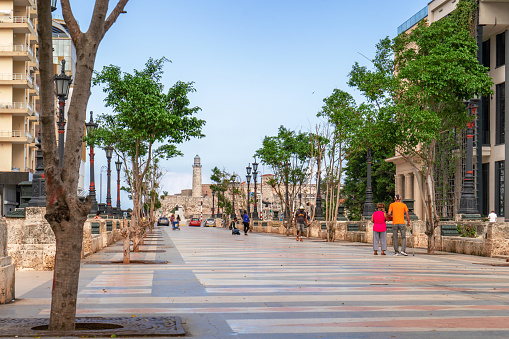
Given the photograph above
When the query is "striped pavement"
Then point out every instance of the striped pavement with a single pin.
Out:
(270, 286)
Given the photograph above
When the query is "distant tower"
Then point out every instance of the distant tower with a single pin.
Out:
(196, 177)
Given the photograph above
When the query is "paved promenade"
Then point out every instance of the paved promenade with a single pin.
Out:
(270, 286)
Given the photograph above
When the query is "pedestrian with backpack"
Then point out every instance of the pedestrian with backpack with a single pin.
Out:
(397, 211)
(301, 222)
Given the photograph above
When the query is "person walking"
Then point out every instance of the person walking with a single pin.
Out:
(397, 212)
(245, 221)
(178, 222)
(301, 222)
(379, 229)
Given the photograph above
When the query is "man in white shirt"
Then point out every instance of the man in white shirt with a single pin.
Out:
(492, 217)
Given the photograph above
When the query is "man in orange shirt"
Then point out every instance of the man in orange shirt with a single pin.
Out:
(397, 211)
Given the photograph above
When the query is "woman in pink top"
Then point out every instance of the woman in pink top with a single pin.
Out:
(379, 228)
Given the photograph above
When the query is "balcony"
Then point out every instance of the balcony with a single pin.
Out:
(19, 24)
(34, 91)
(16, 137)
(16, 108)
(24, 2)
(32, 11)
(17, 52)
(34, 38)
(18, 80)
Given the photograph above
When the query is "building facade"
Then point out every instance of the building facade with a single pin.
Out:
(19, 95)
(490, 153)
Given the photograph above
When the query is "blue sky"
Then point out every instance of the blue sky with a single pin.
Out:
(256, 64)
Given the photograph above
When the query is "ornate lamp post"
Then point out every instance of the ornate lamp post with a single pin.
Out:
(255, 174)
(91, 126)
(468, 203)
(369, 206)
(318, 207)
(38, 182)
(109, 154)
(118, 165)
(213, 196)
(62, 82)
(248, 177)
(232, 180)
(53, 5)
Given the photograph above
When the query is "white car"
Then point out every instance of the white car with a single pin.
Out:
(210, 222)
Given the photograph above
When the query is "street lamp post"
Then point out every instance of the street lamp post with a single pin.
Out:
(118, 165)
(369, 206)
(62, 84)
(38, 182)
(232, 180)
(53, 5)
(213, 196)
(468, 203)
(91, 126)
(109, 154)
(248, 177)
(318, 208)
(255, 174)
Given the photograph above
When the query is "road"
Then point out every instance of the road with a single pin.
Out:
(270, 286)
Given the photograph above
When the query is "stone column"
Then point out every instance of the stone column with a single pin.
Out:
(418, 205)
(399, 187)
(409, 189)
(196, 192)
(6, 267)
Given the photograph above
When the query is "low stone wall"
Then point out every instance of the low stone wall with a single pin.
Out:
(491, 239)
(6, 268)
(31, 242)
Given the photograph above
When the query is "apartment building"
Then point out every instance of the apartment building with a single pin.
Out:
(19, 96)
(490, 154)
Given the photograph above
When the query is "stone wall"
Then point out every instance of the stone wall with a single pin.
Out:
(492, 238)
(192, 206)
(31, 242)
(6, 267)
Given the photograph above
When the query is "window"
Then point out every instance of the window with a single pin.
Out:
(500, 49)
(485, 136)
(486, 53)
(499, 187)
(500, 113)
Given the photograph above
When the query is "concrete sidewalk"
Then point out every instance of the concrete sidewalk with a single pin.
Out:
(270, 286)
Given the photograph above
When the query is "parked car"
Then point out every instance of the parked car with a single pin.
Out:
(210, 222)
(195, 222)
(163, 221)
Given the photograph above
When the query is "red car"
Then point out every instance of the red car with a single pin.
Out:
(195, 222)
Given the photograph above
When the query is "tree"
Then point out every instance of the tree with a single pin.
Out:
(421, 79)
(288, 155)
(153, 185)
(148, 124)
(222, 181)
(342, 118)
(354, 187)
(64, 212)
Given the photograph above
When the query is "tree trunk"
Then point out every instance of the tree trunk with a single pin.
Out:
(66, 274)
(126, 241)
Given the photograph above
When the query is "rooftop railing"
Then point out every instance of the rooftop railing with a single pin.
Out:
(413, 20)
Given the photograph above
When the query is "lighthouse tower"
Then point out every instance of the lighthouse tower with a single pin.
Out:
(196, 177)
